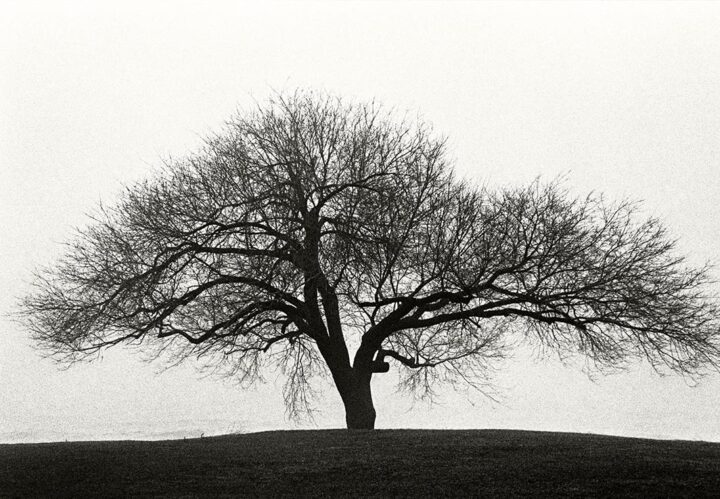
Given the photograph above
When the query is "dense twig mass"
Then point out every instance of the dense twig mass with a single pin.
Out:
(311, 224)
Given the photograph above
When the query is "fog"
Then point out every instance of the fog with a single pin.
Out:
(619, 98)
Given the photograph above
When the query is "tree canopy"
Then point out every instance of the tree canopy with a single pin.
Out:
(329, 237)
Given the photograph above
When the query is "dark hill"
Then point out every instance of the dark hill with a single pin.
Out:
(338, 463)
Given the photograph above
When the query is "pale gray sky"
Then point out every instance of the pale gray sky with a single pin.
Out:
(622, 97)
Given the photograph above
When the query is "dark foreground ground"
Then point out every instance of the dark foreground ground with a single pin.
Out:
(338, 463)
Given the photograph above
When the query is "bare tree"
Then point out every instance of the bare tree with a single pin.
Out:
(326, 237)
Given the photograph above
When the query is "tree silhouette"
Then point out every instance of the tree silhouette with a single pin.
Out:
(331, 238)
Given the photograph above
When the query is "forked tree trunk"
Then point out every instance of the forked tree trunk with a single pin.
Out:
(353, 382)
(357, 397)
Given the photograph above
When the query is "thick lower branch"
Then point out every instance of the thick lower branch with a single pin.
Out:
(407, 361)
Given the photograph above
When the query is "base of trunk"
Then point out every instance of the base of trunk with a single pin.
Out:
(359, 407)
(360, 418)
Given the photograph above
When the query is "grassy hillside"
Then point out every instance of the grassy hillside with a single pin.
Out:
(380, 463)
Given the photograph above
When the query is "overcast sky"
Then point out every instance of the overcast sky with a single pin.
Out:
(622, 98)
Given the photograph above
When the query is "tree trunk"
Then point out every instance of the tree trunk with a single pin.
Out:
(357, 397)
(353, 383)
